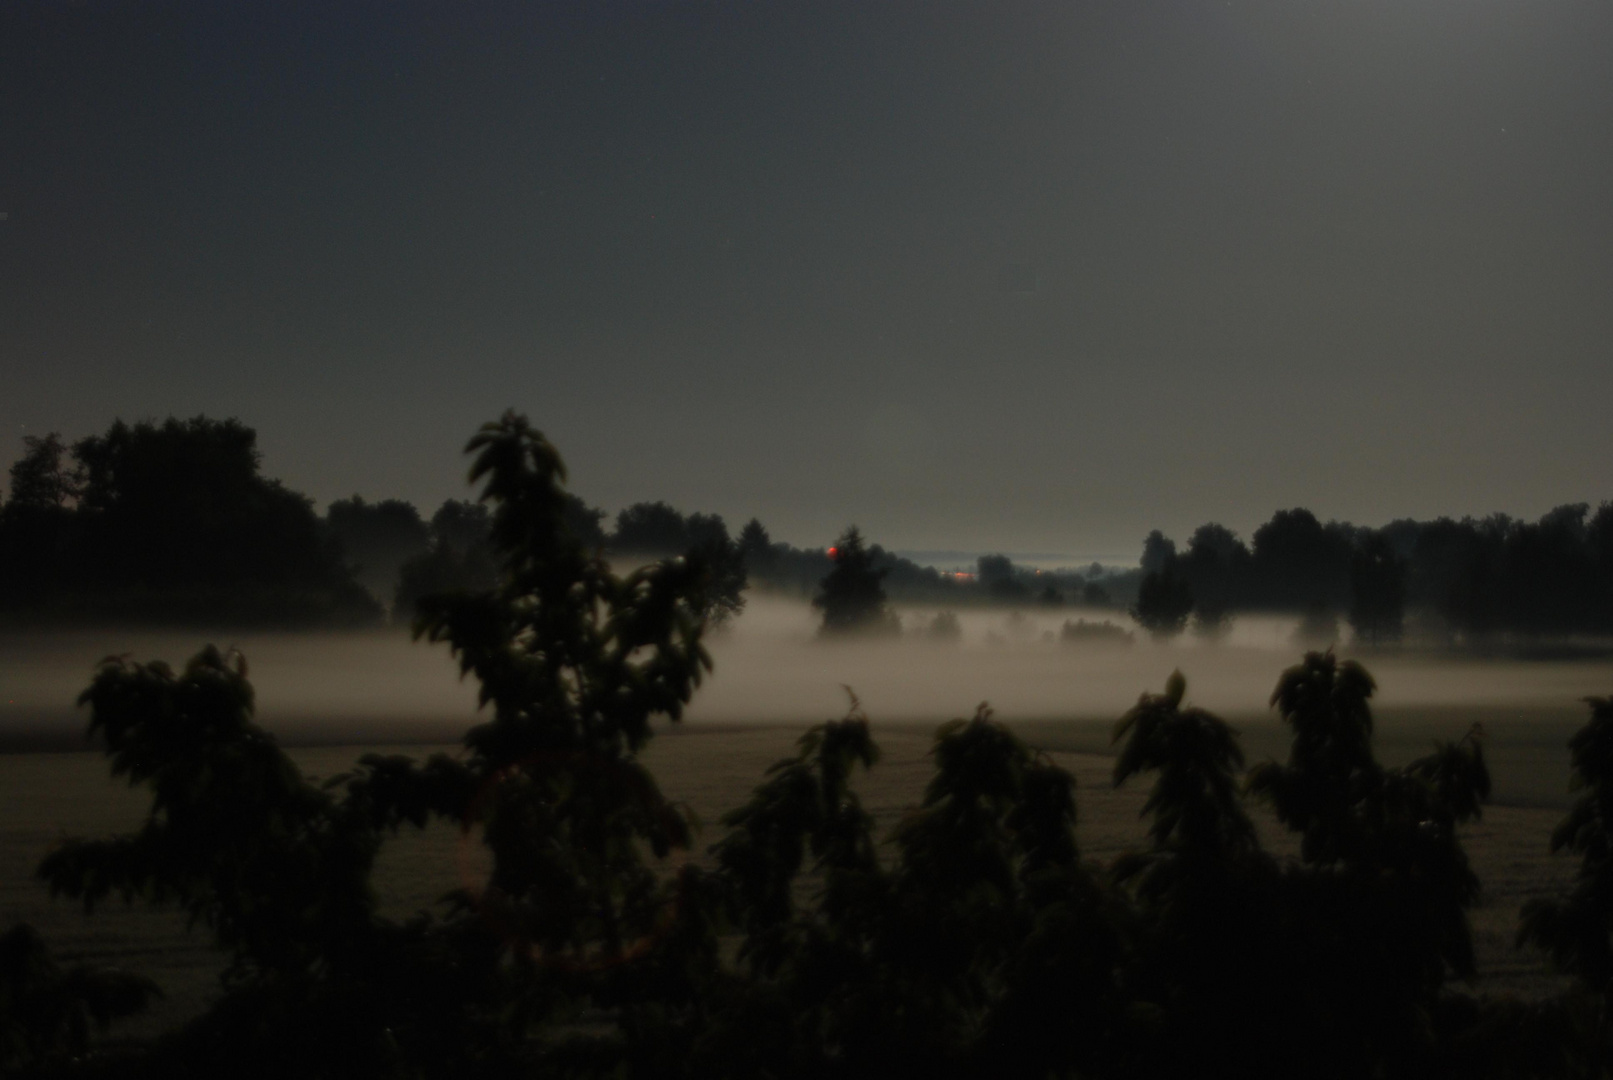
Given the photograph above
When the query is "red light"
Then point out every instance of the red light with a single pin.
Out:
(832, 552)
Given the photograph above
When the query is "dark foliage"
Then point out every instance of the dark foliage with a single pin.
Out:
(459, 558)
(756, 546)
(573, 662)
(984, 949)
(463, 527)
(1481, 578)
(377, 539)
(1339, 961)
(1377, 591)
(721, 564)
(1576, 931)
(852, 596)
(1164, 602)
(650, 529)
(39, 543)
(1158, 552)
(1298, 562)
(1217, 568)
(182, 502)
(1385, 839)
(168, 522)
(995, 574)
(42, 479)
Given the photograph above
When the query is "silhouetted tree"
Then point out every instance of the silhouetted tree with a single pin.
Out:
(1452, 570)
(851, 596)
(1576, 931)
(274, 867)
(583, 522)
(1164, 601)
(1377, 591)
(986, 949)
(172, 522)
(573, 663)
(650, 529)
(1195, 808)
(460, 556)
(38, 541)
(997, 577)
(442, 569)
(1298, 562)
(1599, 537)
(1495, 576)
(706, 530)
(464, 527)
(183, 501)
(1158, 552)
(1548, 581)
(723, 578)
(755, 546)
(1208, 955)
(1383, 868)
(1216, 566)
(378, 538)
(41, 478)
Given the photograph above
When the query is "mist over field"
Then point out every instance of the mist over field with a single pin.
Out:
(772, 668)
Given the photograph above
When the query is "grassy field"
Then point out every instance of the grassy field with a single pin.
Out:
(712, 768)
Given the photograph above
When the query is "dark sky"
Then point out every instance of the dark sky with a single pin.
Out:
(1028, 276)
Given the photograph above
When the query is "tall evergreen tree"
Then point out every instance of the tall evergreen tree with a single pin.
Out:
(852, 596)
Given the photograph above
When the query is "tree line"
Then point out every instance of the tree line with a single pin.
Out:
(1472, 579)
(168, 521)
(975, 940)
(175, 522)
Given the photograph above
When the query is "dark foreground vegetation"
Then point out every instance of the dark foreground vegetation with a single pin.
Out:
(974, 941)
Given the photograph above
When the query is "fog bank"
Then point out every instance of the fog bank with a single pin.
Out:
(772, 668)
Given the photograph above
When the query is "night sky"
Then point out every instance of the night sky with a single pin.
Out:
(1017, 276)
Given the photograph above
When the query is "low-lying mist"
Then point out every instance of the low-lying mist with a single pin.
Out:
(771, 667)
